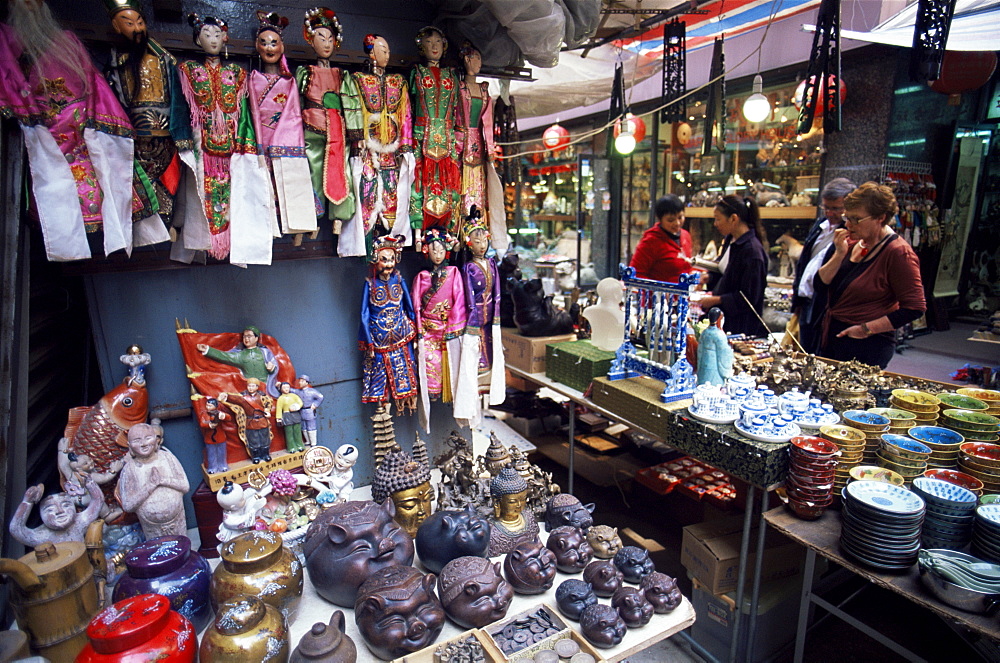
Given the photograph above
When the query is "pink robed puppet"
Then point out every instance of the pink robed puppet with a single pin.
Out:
(447, 357)
(78, 138)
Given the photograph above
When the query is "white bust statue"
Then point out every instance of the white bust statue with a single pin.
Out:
(606, 318)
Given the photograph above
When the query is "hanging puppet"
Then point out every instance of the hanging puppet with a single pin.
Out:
(213, 90)
(437, 136)
(481, 185)
(387, 331)
(331, 115)
(78, 138)
(482, 296)
(383, 171)
(447, 357)
(277, 122)
(145, 79)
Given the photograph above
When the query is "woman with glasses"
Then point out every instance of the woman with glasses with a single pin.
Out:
(808, 292)
(873, 278)
(743, 266)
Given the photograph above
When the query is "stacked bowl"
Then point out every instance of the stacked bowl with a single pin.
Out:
(872, 425)
(903, 455)
(974, 426)
(923, 406)
(988, 396)
(982, 461)
(986, 533)
(881, 525)
(809, 485)
(962, 479)
(955, 401)
(949, 513)
(900, 421)
(851, 443)
(944, 444)
(875, 473)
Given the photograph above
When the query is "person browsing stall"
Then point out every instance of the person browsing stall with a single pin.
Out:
(743, 266)
(873, 278)
(664, 252)
(808, 292)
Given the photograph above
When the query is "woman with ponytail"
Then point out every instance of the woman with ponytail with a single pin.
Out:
(743, 267)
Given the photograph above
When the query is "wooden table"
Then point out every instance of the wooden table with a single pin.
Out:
(822, 537)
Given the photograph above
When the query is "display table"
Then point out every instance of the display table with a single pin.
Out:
(822, 537)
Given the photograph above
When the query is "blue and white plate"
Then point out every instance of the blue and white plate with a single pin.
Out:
(941, 491)
(792, 430)
(990, 513)
(885, 497)
(935, 435)
(713, 420)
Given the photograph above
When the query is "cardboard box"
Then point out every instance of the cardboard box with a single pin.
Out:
(526, 353)
(521, 384)
(576, 363)
(711, 553)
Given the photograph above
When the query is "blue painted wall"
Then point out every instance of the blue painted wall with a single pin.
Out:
(312, 307)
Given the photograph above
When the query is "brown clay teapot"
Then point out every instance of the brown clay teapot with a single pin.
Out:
(326, 643)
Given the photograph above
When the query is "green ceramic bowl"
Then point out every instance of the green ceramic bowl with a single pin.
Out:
(968, 420)
(894, 414)
(960, 402)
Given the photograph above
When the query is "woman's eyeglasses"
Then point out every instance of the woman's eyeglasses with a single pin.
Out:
(856, 221)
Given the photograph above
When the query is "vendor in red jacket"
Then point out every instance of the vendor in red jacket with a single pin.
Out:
(664, 252)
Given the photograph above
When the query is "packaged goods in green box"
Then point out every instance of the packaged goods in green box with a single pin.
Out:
(576, 363)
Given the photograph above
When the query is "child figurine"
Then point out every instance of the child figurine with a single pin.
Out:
(288, 414)
(715, 356)
(447, 357)
(311, 400)
(606, 318)
(239, 509)
(482, 296)
(76, 469)
(60, 521)
(153, 484)
(387, 331)
(330, 475)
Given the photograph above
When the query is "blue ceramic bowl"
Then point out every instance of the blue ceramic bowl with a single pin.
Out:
(867, 421)
(935, 435)
(906, 447)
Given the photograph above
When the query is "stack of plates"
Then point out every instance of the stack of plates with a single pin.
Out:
(873, 425)
(986, 533)
(881, 525)
(974, 426)
(923, 406)
(944, 444)
(982, 461)
(809, 486)
(903, 455)
(962, 479)
(900, 421)
(949, 515)
(988, 396)
(851, 442)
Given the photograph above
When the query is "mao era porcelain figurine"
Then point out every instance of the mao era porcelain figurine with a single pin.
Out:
(604, 577)
(661, 591)
(447, 535)
(473, 592)
(408, 484)
(245, 629)
(397, 611)
(715, 356)
(571, 549)
(512, 522)
(530, 568)
(606, 318)
(311, 400)
(60, 521)
(565, 509)
(634, 563)
(602, 626)
(350, 541)
(253, 359)
(632, 606)
(326, 643)
(258, 564)
(288, 415)
(604, 541)
(572, 596)
(240, 508)
(331, 475)
(152, 484)
(252, 409)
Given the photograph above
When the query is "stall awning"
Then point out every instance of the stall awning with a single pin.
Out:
(975, 26)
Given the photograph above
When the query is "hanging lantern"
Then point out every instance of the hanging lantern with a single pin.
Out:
(635, 123)
(800, 92)
(555, 138)
(964, 71)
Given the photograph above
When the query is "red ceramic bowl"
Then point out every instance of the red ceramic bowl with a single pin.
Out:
(806, 511)
(812, 494)
(983, 453)
(814, 445)
(806, 477)
(962, 479)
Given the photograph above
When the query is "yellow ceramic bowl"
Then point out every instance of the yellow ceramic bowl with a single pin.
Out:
(899, 460)
(896, 416)
(873, 473)
(838, 433)
(989, 395)
(901, 470)
(916, 401)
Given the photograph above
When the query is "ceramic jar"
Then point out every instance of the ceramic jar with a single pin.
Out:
(245, 630)
(169, 567)
(257, 564)
(326, 643)
(140, 628)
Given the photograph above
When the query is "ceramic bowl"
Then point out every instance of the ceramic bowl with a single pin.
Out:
(958, 478)
(979, 436)
(865, 421)
(840, 434)
(886, 498)
(968, 420)
(991, 482)
(916, 401)
(806, 511)
(982, 453)
(944, 493)
(991, 498)
(992, 473)
(814, 445)
(962, 402)
(989, 395)
(936, 437)
(909, 463)
(873, 473)
(895, 415)
(905, 447)
(902, 470)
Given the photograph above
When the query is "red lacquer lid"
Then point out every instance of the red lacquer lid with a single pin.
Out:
(128, 623)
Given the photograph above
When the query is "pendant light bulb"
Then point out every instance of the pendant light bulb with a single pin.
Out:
(756, 108)
(625, 140)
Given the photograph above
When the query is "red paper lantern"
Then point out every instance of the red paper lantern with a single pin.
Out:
(800, 91)
(964, 71)
(637, 124)
(555, 138)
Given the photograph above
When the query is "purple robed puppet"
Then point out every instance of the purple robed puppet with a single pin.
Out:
(482, 296)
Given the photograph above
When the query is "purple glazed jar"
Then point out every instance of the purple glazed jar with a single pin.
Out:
(169, 567)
